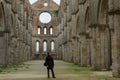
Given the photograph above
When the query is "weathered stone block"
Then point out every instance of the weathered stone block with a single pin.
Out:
(114, 6)
(74, 6)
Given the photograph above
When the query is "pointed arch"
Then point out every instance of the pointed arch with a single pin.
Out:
(52, 46)
(51, 30)
(37, 44)
(78, 24)
(12, 25)
(87, 15)
(87, 19)
(45, 46)
(103, 11)
(45, 30)
(2, 17)
(39, 30)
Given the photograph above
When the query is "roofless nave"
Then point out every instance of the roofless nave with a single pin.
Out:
(85, 32)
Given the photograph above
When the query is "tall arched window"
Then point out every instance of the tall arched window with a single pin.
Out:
(45, 30)
(39, 30)
(45, 46)
(37, 47)
(52, 46)
(51, 31)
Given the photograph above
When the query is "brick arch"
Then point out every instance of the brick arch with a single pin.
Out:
(45, 40)
(37, 41)
(51, 27)
(52, 41)
(39, 30)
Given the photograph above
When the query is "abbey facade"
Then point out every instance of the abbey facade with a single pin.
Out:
(44, 32)
(15, 31)
(89, 33)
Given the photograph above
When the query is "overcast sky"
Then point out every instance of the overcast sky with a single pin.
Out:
(32, 1)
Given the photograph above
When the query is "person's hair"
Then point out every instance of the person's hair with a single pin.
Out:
(48, 53)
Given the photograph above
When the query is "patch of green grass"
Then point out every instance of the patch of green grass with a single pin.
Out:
(79, 68)
(90, 74)
(11, 67)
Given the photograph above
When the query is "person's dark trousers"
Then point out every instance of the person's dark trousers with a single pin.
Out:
(48, 71)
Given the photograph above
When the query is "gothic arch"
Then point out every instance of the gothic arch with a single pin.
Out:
(45, 45)
(51, 30)
(37, 47)
(104, 28)
(78, 25)
(86, 14)
(52, 45)
(87, 19)
(2, 17)
(45, 30)
(39, 30)
(12, 25)
(103, 11)
(52, 41)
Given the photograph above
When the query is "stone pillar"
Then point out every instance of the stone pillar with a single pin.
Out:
(83, 50)
(114, 23)
(2, 49)
(94, 54)
(101, 48)
(89, 48)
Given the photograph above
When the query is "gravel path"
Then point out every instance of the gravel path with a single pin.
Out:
(36, 71)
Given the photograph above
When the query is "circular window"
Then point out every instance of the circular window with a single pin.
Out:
(45, 4)
(45, 17)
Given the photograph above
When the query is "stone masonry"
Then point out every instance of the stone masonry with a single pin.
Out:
(89, 33)
(15, 31)
(38, 8)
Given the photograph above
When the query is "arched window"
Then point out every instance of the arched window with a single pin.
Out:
(45, 46)
(52, 46)
(39, 30)
(51, 31)
(45, 31)
(37, 47)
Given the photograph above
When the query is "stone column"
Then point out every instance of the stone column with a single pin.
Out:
(83, 50)
(114, 23)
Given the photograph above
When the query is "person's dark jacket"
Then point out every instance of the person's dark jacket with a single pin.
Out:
(49, 62)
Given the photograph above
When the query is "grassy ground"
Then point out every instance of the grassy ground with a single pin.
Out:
(85, 72)
(11, 67)
(34, 70)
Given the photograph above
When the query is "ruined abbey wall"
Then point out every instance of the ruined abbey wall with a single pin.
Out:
(15, 31)
(89, 33)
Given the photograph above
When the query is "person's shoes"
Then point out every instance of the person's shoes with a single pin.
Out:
(54, 77)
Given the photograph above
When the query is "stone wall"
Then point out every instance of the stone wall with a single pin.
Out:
(88, 33)
(15, 31)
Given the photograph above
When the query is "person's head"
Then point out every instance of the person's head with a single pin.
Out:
(48, 53)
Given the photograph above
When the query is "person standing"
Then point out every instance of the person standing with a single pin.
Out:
(49, 63)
